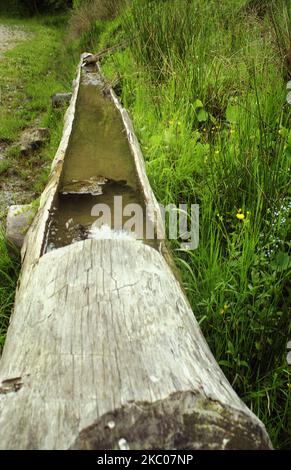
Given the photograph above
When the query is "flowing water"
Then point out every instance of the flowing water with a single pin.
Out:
(98, 167)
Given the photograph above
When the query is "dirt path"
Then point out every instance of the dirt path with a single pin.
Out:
(11, 185)
(9, 36)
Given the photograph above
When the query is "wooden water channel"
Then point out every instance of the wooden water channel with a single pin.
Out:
(103, 350)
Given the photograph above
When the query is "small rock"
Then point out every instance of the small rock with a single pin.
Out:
(32, 139)
(18, 221)
(110, 425)
(59, 99)
(123, 444)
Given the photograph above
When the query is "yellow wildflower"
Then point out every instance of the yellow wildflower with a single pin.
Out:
(240, 216)
(224, 309)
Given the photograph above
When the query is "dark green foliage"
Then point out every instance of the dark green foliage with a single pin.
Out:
(9, 271)
(35, 7)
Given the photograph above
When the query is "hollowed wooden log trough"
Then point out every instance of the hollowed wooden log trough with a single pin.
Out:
(103, 350)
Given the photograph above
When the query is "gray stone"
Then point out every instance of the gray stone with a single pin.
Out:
(31, 139)
(59, 99)
(18, 221)
(3, 147)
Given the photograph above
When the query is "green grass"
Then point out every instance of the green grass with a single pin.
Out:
(29, 74)
(9, 270)
(205, 83)
(4, 166)
(32, 72)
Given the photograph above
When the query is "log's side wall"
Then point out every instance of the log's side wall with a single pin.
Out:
(35, 237)
(102, 334)
(149, 197)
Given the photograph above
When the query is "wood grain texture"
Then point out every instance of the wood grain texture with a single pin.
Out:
(101, 325)
(104, 351)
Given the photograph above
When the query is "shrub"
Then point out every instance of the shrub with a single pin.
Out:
(88, 14)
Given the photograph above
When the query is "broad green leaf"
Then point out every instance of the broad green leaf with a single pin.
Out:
(202, 115)
(282, 260)
(198, 104)
(230, 347)
(225, 363)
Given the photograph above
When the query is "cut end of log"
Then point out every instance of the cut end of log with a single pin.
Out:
(184, 420)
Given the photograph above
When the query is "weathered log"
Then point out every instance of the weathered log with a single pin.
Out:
(89, 58)
(103, 350)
